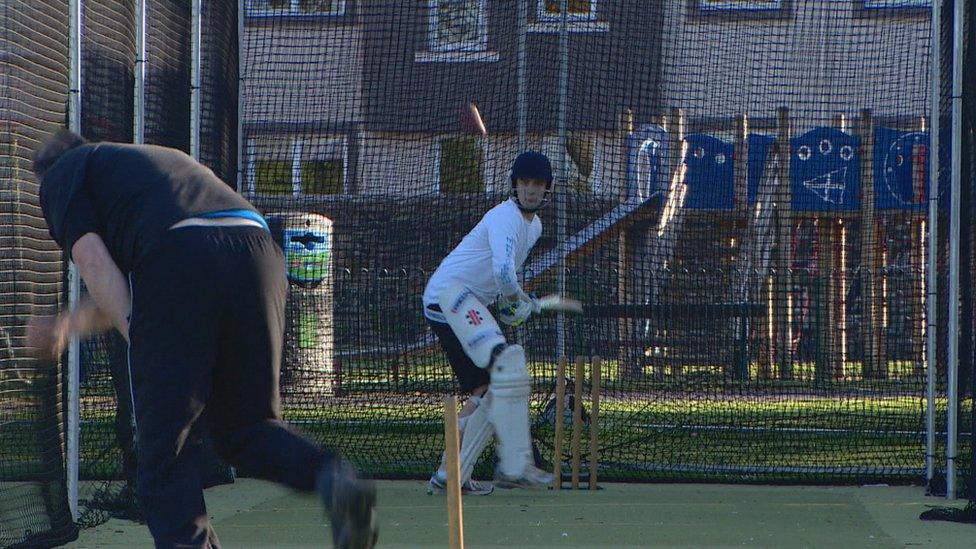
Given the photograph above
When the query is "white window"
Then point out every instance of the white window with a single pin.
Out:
(896, 4)
(579, 10)
(458, 25)
(285, 166)
(270, 8)
(743, 5)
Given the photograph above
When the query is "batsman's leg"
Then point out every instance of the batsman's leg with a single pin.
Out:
(476, 432)
(510, 386)
(509, 413)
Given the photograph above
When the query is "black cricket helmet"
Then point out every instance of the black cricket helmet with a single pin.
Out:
(532, 165)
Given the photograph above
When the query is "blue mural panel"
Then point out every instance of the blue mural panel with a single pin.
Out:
(825, 171)
(901, 170)
(709, 175)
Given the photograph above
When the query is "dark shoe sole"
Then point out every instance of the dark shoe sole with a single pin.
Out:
(516, 484)
(437, 490)
(353, 515)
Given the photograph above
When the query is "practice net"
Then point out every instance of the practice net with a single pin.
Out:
(743, 214)
(34, 75)
(741, 204)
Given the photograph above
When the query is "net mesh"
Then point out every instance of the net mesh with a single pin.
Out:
(965, 458)
(743, 212)
(108, 460)
(968, 316)
(33, 68)
(106, 451)
(219, 89)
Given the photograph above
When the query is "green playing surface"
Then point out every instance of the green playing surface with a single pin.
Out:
(253, 513)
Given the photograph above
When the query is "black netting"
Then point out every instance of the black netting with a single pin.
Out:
(107, 114)
(108, 57)
(966, 380)
(219, 89)
(968, 177)
(167, 89)
(34, 68)
(744, 214)
(107, 456)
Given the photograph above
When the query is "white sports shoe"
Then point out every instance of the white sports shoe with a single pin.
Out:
(470, 488)
(532, 478)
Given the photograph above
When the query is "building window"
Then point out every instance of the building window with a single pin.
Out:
(582, 149)
(458, 25)
(579, 10)
(896, 4)
(743, 5)
(461, 166)
(582, 16)
(272, 177)
(297, 167)
(270, 8)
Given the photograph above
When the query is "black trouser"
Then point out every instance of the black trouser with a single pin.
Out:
(206, 336)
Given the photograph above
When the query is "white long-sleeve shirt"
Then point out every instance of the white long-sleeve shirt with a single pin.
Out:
(488, 258)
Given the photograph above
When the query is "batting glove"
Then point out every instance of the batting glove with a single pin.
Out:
(514, 313)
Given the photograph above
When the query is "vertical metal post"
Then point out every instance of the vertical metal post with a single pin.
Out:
(195, 78)
(139, 116)
(955, 211)
(520, 93)
(932, 281)
(74, 280)
(241, 186)
(562, 179)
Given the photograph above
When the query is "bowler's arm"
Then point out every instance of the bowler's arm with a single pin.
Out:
(107, 287)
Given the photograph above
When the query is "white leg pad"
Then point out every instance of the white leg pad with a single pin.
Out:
(476, 434)
(471, 322)
(508, 410)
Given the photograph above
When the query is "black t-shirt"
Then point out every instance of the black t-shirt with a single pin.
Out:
(129, 195)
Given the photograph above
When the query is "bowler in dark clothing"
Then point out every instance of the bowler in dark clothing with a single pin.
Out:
(186, 270)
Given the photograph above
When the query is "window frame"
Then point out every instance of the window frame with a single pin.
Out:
(543, 16)
(250, 10)
(297, 148)
(881, 5)
(725, 6)
(479, 45)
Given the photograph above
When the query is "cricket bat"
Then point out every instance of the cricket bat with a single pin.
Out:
(556, 302)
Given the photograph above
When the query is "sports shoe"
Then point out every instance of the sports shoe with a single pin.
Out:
(532, 477)
(350, 504)
(470, 488)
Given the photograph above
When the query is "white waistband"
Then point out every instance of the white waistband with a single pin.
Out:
(216, 222)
